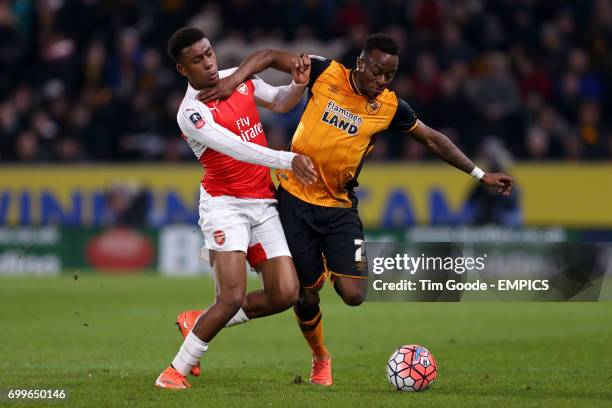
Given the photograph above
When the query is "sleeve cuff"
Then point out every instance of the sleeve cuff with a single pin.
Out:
(287, 159)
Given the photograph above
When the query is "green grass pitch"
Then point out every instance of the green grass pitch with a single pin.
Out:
(106, 339)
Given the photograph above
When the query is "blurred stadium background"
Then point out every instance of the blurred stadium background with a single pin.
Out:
(95, 176)
(96, 183)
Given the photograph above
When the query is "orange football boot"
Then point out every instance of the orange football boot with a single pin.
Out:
(185, 322)
(170, 378)
(321, 372)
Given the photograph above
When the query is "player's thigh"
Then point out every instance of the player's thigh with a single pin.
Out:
(229, 272)
(225, 224)
(269, 254)
(279, 279)
(303, 241)
(226, 229)
(343, 245)
(267, 236)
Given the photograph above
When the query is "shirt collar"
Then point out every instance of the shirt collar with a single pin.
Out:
(191, 91)
(352, 83)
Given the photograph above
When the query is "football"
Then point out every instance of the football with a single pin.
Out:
(411, 368)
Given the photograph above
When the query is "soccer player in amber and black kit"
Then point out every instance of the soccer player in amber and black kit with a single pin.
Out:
(345, 110)
(238, 213)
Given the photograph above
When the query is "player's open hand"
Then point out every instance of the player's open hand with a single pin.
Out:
(502, 181)
(300, 69)
(304, 170)
(220, 91)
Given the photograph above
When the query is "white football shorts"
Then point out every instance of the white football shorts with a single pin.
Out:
(241, 224)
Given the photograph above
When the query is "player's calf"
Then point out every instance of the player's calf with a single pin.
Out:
(226, 306)
(307, 306)
(281, 286)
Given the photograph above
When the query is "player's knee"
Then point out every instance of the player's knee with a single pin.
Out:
(287, 296)
(293, 292)
(285, 301)
(231, 301)
(353, 298)
(352, 291)
(308, 298)
(290, 296)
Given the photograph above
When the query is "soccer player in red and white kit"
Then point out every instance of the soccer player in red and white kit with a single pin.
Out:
(238, 214)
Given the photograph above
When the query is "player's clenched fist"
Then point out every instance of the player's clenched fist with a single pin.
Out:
(304, 170)
(300, 69)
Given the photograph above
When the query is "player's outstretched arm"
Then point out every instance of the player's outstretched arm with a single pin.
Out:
(442, 147)
(253, 64)
(201, 131)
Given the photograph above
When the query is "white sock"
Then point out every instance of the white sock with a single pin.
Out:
(239, 317)
(189, 354)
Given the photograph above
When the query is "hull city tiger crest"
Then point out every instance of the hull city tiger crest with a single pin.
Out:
(372, 107)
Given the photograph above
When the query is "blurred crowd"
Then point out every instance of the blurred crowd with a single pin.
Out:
(89, 80)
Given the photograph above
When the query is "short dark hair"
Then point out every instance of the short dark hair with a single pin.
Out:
(381, 41)
(183, 38)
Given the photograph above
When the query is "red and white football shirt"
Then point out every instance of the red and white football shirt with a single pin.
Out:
(237, 206)
(228, 139)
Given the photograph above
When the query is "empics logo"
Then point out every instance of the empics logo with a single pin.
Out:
(197, 120)
(341, 118)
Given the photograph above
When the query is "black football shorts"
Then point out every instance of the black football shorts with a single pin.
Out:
(314, 232)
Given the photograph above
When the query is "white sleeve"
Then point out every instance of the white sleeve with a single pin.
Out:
(277, 98)
(198, 125)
